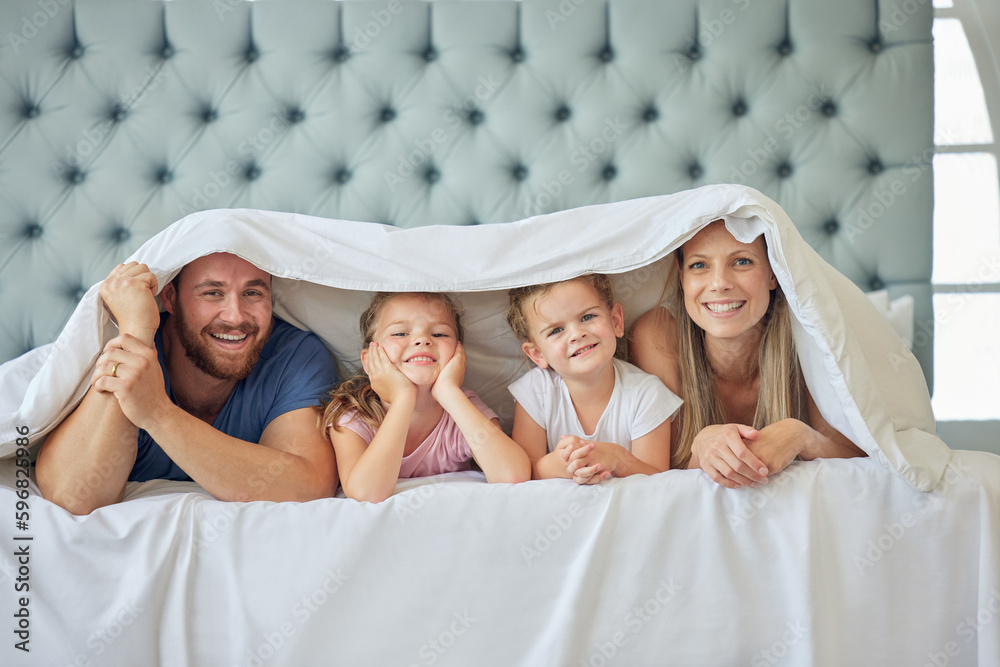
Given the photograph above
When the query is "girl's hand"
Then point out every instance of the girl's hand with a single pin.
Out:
(388, 381)
(591, 463)
(569, 444)
(723, 451)
(452, 375)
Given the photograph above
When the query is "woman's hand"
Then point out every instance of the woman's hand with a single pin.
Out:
(724, 452)
(451, 376)
(388, 381)
(779, 443)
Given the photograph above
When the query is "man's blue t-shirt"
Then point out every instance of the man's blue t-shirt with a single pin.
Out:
(294, 371)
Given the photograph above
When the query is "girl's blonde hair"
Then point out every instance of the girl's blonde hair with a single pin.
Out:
(356, 393)
(520, 296)
(781, 389)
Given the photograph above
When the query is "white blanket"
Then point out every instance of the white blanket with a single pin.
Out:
(862, 376)
(838, 562)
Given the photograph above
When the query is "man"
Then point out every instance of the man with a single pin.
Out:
(216, 390)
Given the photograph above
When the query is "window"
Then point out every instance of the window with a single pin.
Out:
(966, 212)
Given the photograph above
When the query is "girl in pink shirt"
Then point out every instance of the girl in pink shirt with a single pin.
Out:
(409, 415)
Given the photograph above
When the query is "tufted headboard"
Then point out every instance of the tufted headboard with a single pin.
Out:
(118, 117)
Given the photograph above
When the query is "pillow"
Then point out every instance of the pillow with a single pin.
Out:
(899, 312)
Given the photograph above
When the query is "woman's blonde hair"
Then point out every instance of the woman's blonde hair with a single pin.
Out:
(781, 388)
(356, 393)
(520, 296)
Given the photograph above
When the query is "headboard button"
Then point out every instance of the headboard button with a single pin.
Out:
(340, 54)
(650, 114)
(875, 167)
(563, 113)
(342, 176)
(167, 52)
(252, 54)
(475, 117)
(164, 176)
(33, 230)
(828, 109)
(739, 108)
(517, 55)
(831, 226)
(122, 235)
(606, 55)
(693, 52)
(695, 171)
(387, 114)
(609, 172)
(432, 175)
(31, 111)
(252, 173)
(75, 176)
(785, 48)
(429, 54)
(876, 284)
(76, 52)
(295, 115)
(210, 115)
(876, 46)
(784, 170)
(520, 172)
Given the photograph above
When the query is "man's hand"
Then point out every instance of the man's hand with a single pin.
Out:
(129, 369)
(129, 292)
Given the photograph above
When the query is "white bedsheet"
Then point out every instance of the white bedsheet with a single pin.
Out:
(833, 563)
(891, 560)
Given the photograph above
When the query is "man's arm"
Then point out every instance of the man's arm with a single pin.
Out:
(85, 461)
(292, 462)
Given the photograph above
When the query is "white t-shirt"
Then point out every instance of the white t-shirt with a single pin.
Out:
(639, 403)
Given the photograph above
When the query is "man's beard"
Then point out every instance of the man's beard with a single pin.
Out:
(212, 361)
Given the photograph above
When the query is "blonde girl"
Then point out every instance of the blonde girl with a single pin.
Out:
(582, 413)
(408, 415)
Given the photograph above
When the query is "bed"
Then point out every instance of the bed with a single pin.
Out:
(435, 120)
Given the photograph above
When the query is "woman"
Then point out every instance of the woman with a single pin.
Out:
(724, 344)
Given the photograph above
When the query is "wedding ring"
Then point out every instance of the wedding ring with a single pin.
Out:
(114, 370)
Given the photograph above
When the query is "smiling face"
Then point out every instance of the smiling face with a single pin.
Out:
(220, 314)
(727, 284)
(419, 335)
(572, 329)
